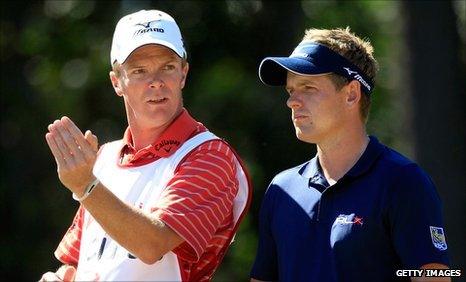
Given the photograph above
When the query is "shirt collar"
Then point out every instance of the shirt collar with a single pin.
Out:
(313, 170)
(370, 155)
(180, 130)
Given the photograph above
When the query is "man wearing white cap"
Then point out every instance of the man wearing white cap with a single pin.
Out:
(358, 210)
(164, 202)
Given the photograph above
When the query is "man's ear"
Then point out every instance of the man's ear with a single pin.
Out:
(116, 83)
(353, 93)
(184, 75)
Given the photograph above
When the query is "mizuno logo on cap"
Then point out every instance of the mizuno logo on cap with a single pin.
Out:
(147, 24)
(147, 28)
(358, 77)
(350, 72)
(299, 54)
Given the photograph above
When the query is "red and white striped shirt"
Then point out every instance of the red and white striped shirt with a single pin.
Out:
(197, 203)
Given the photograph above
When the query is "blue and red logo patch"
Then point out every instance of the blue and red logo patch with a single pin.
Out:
(438, 238)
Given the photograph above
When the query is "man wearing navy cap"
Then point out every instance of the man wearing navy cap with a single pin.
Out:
(358, 210)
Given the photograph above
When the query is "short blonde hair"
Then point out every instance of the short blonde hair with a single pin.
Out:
(356, 50)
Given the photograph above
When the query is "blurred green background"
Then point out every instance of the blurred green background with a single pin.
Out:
(55, 61)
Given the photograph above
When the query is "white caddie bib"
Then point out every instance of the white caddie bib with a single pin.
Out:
(103, 259)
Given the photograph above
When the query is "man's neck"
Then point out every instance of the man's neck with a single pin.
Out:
(143, 137)
(338, 156)
(143, 134)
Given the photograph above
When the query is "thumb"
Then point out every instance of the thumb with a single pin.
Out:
(92, 140)
(67, 273)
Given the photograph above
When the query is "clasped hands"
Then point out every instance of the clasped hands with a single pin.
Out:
(74, 152)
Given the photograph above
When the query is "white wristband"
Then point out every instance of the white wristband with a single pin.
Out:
(87, 191)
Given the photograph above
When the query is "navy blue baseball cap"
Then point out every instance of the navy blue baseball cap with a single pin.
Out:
(310, 58)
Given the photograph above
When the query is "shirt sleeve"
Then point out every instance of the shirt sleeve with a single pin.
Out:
(68, 250)
(199, 197)
(416, 222)
(265, 266)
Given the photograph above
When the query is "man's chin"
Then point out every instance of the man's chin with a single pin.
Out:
(305, 137)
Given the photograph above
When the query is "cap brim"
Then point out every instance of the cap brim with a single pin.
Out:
(273, 70)
(131, 49)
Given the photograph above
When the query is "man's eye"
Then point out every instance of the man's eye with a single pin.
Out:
(169, 67)
(138, 71)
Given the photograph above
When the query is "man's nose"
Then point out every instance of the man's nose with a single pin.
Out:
(293, 101)
(156, 81)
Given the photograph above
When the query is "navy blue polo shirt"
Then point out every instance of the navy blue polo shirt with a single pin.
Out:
(383, 215)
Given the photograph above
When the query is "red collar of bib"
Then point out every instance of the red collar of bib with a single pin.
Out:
(181, 129)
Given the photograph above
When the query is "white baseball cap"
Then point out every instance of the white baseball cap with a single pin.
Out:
(145, 27)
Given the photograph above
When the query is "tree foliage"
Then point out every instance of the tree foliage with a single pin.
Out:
(55, 62)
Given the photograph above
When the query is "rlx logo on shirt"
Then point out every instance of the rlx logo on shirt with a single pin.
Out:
(349, 219)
